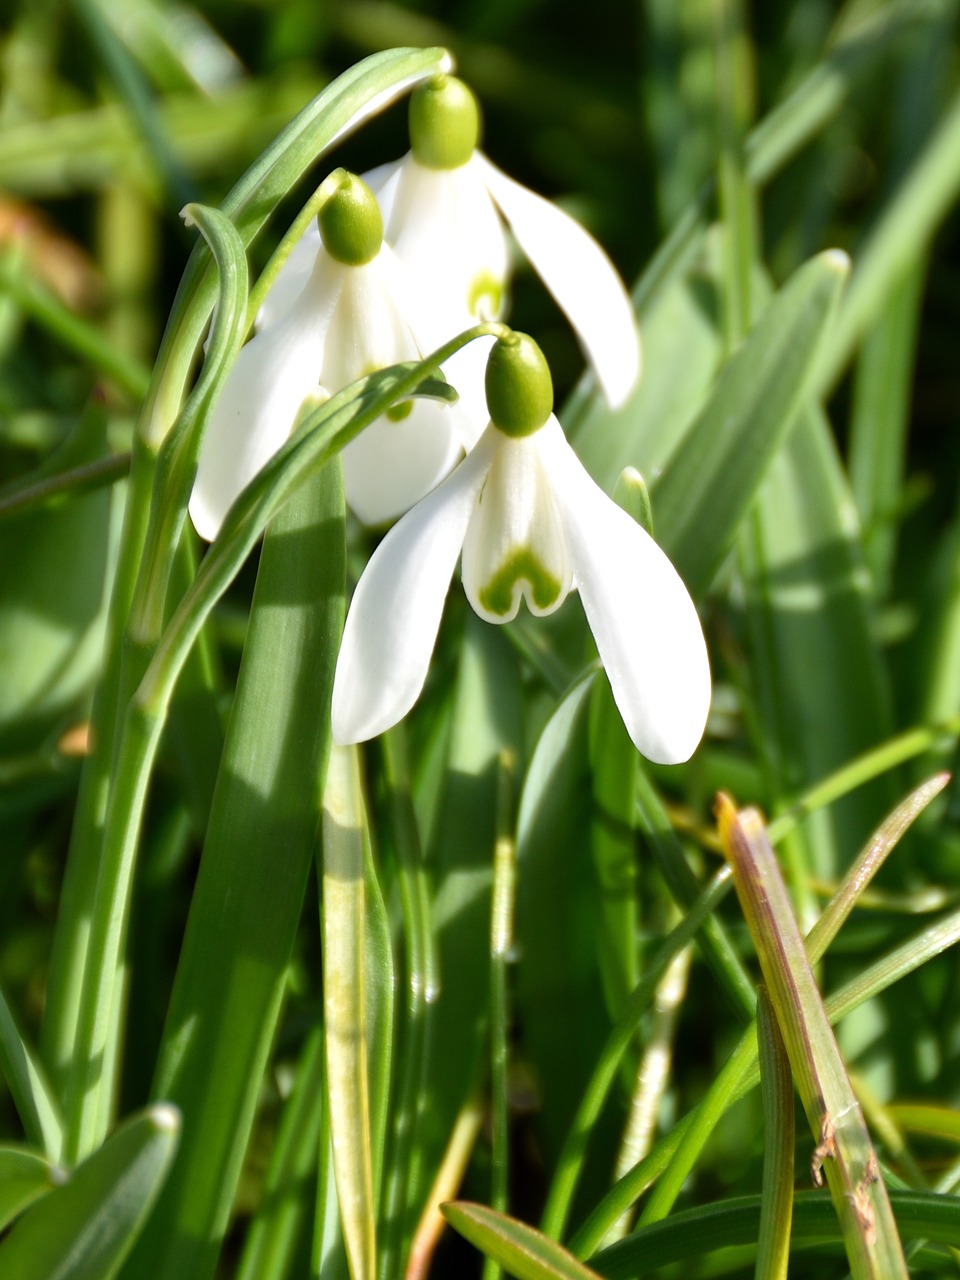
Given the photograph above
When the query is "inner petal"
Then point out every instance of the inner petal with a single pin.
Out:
(515, 546)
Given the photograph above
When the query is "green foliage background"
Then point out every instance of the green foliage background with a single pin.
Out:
(800, 445)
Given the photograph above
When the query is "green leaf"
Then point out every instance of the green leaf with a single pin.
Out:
(232, 970)
(35, 1102)
(776, 1085)
(84, 1229)
(558, 916)
(700, 500)
(697, 1232)
(348, 1011)
(844, 1152)
(54, 573)
(485, 720)
(24, 1178)
(522, 1251)
(285, 1213)
(821, 693)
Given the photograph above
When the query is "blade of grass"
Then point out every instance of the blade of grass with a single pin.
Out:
(83, 1229)
(285, 1212)
(345, 1014)
(501, 943)
(776, 1198)
(693, 1233)
(675, 1156)
(232, 970)
(844, 1152)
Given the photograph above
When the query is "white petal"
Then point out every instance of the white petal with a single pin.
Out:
(260, 400)
(396, 609)
(466, 372)
(643, 620)
(393, 463)
(383, 181)
(579, 275)
(291, 278)
(515, 547)
(444, 227)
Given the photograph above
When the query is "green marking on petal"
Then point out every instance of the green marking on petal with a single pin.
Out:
(521, 566)
(485, 297)
(397, 412)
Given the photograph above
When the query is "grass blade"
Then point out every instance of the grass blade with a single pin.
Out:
(844, 1151)
(84, 1229)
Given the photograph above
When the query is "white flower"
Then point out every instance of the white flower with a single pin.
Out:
(531, 523)
(348, 319)
(441, 206)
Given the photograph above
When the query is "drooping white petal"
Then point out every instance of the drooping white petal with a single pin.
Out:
(260, 400)
(390, 465)
(466, 371)
(396, 609)
(444, 227)
(643, 620)
(579, 275)
(397, 460)
(291, 278)
(382, 181)
(515, 546)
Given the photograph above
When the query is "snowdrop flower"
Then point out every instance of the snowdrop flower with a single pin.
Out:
(354, 314)
(531, 523)
(441, 206)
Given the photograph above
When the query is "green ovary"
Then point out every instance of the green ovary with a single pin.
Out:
(520, 566)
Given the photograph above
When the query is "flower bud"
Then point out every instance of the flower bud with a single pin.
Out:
(518, 385)
(444, 123)
(351, 225)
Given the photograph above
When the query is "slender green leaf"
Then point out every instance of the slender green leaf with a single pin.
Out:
(24, 1177)
(285, 1212)
(720, 462)
(246, 906)
(522, 1251)
(485, 722)
(84, 1229)
(820, 686)
(698, 1232)
(776, 1200)
(345, 1006)
(844, 1152)
(26, 1079)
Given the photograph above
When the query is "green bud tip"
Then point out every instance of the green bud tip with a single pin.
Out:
(444, 123)
(518, 385)
(351, 225)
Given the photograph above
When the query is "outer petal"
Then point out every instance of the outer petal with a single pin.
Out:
(394, 462)
(260, 400)
(444, 227)
(291, 278)
(391, 465)
(643, 620)
(579, 275)
(382, 181)
(395, 614)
